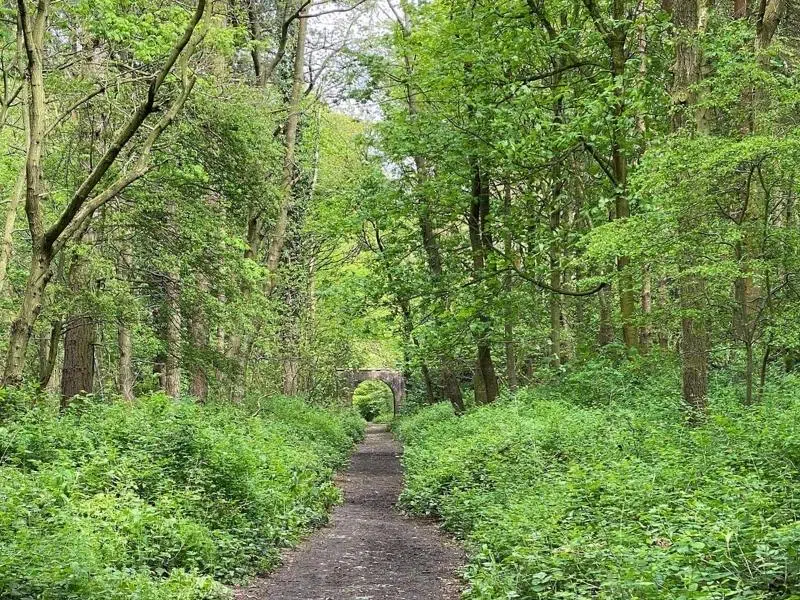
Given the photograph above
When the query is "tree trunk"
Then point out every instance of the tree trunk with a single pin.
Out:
(485, 379)
(79, 342)
(198, 386)
(450, 383)
(48, 353)
(125, 373)
(762, 378)
(511, 358)
(689, 17)
(125, 378)
(556, 276)
(30, 36)
(430, 394)
(198, 331)
(291, 373)
(581, 339)
(8, 228)
(22, 326)
(529, 370)
(452, 388)
(646, 330)
(240, 350)
(158, 369)
(254, 27)
(172, 362)
(289, 166)
(555, 283)
(290, 334)
(748, 373)
(769, 16)
(606, 334)
(619, 165)
(663, 301)
(44, 354)
(45, 244)
(694, 345)
(508, 284)
(77, 375)
(746, 321)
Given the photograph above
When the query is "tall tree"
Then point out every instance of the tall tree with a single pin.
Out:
(94, 191)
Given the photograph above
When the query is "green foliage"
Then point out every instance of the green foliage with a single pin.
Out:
(373, 399)
(567, 492)
(161, 499)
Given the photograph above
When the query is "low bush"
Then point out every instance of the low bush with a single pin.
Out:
(160, 499)
(566, 497)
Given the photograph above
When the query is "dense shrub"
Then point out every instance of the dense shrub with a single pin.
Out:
(564, 497)
(160, 499)
(374, 401)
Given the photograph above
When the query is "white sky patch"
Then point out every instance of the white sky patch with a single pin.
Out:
(334, 39)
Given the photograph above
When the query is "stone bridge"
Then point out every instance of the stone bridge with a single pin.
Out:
(350, 378)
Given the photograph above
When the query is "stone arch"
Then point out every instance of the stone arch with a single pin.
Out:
(350, 379)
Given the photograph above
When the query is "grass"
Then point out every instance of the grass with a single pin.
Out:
(160, 499)
(595, 487)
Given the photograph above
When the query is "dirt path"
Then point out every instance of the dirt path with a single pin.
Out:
(369, 551)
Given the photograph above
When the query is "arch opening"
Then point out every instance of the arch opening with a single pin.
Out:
(351, 378)
(374, 400)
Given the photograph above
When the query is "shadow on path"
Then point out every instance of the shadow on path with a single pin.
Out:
(369, 551)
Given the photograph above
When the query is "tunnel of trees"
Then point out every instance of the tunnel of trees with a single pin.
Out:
(514, 187)
(570, 226)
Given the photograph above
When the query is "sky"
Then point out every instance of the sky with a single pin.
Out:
(333, 37)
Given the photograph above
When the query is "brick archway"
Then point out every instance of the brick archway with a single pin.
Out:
(394, 379)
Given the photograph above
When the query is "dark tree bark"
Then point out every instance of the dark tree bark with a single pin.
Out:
(485, 379)
(770, 13)
(125, 377)
(694, 347)
(78, 373)
(646, 330)
(450, 385)
(427, 380)
(79, 361)
(199, 333)
(48, 353)
(619, 163)
(689, 17)
(663, 301)
(125, 374)
(172, 362)
(198, 386)
(508, 284)
(555, 283)
(605, 334)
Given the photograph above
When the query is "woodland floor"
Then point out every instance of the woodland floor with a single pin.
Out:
(370, 551)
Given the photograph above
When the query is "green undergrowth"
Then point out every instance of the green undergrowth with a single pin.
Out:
(161, 499)
(577, 491)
